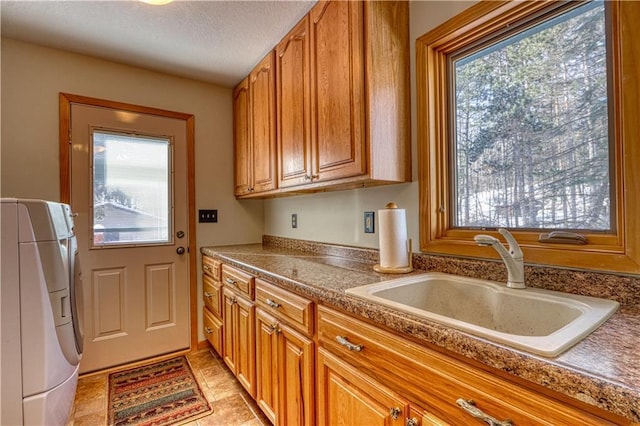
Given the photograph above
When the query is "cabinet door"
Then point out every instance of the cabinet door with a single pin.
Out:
(213, 330)
(293, 102)
(266, 364)
(337, 89)
(229, 325)
(212, 295)
(242, 138)
(346, 396)
(246, 344)
(263, 124)
(296, 378)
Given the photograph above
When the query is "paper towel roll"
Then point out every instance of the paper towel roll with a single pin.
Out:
(393, 237)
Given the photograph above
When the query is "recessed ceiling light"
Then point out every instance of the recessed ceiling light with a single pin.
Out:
(157, 2)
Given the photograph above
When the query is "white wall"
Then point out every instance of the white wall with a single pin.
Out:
(337, 217)
(32, 77)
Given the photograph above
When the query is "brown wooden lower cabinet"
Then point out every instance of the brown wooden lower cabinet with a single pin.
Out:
(285, 372)
(296, 373)
(430, 379)
(267, 364)
(213, 330)
(349, 397)
(351, 372)
(212, 297)
(239, 338)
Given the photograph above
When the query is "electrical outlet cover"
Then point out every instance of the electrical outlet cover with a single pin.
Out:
(207, 216)
(369, 223)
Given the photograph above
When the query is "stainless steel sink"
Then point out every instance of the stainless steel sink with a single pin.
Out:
(539, 321)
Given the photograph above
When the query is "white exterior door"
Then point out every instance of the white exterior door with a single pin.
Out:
(129, 190)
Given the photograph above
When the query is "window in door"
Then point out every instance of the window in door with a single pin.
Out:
(131, 189)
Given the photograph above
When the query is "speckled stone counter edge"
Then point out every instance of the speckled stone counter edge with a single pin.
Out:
(594, 390)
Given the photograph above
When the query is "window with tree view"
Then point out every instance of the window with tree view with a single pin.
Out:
(531, 127)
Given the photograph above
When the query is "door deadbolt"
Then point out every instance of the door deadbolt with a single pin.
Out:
(180, 234)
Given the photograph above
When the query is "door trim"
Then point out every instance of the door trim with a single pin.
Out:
(65, 100)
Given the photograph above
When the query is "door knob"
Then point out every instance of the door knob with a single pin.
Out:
(180, 250)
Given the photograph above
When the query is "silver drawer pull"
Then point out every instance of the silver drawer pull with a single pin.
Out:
(230, 281)
(207, 268)
(272, 303)
(469, 406)
(347, 344)
(208, 295)
(395, 412)
(208, 330)
(274, 328)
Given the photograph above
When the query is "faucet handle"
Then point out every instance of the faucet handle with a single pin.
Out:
(486, 240)
(514, 247)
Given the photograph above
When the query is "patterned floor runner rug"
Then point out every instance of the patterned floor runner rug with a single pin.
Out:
(164, 393)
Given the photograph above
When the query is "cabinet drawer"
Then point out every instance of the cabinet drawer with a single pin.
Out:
(285, 306)
(212, 297)
(347, 396)
(213, 330)
(211, 267)
(238, 280)
(437, 381)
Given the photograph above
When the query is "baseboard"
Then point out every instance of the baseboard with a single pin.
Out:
(204, 344)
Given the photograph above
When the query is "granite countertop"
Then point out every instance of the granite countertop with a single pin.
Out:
(602, 370)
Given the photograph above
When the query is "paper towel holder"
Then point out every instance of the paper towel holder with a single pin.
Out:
(400, 270)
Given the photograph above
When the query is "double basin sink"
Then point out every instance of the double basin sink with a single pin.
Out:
(539, 321)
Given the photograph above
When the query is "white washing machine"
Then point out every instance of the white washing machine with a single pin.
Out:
(41, 329)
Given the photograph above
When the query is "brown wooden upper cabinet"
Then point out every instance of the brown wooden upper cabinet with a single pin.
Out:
(241, 138)
(255, 130)
(337, 90)
(293, 100)
(342, 96)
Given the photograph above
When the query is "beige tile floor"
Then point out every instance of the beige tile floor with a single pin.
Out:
(232, 406)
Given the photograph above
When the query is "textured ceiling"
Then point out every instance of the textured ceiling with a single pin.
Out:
(213, 41)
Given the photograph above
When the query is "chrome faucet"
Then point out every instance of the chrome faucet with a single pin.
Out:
(513, 258)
